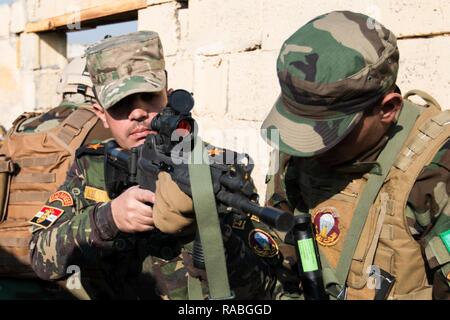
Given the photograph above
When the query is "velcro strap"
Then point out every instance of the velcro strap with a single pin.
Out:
(428, 131)
(35, 178)
(29, 196)
(431, 129)
(6, 166)
(37, 162)
(387, 232)
(419, 144)
(72, 126)
(442, 118)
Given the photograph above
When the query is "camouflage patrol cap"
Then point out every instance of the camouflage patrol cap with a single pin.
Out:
(126, 64)
(330, 71)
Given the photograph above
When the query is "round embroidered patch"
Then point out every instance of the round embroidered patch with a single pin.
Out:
(262, 243)
(326, 223)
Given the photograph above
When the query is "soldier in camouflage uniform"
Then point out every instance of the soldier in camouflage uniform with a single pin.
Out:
(115, 243)
(369, 166)
(75, 86)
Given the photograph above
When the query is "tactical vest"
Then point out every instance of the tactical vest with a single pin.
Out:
(32, 167)
(385, 241)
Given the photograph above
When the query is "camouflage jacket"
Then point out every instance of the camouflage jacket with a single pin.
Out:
(144, 266)
(427, 211)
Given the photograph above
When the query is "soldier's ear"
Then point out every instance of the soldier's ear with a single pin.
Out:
(390, 107)
(100, 112)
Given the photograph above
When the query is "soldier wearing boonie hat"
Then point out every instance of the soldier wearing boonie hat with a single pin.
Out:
(337, 75)
(330, 71)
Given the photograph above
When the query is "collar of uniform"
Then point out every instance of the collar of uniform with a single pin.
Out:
(365, 162)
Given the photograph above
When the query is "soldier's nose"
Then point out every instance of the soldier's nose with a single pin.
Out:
(139, 115)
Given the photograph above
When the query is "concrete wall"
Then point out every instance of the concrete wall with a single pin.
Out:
(225, 52)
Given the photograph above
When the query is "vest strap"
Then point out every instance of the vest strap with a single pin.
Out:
(406, 121)
(74, 123)
(31, 196)
(35, 178)
(37, 162)
(208, 224)
(428, 131)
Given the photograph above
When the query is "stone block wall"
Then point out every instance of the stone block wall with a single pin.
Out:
(223, 51)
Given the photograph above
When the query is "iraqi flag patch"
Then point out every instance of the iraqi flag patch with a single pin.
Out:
(46, 216)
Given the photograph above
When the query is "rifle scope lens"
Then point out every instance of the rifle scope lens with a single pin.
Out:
(184, 128)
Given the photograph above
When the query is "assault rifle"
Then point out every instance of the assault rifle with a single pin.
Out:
(169, 150)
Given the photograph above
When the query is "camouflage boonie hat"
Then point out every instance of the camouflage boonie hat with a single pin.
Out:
(124, 65)
(330, 71)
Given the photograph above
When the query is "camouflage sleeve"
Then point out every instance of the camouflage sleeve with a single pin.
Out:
(83, 227)
(276, 195)
(252, 254)
(428, 216)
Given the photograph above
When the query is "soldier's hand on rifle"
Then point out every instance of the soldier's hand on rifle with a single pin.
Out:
(173, 210)
(130, 211)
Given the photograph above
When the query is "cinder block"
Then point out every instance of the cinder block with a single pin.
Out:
(53, 50)
(18, 16)
(45, 9)
(29, 51)
(402, 17)
(180, 73)
(217, 26)
(253, 84)
(183, 20)
(163, 19)
(426, 68)
(28, 101)
(32, 10)
(210, 85)
(10, 84)
(46, 82)
(5, 19)
(240, 136)
(75, 50)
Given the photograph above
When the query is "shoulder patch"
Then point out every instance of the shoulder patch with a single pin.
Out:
(62, 196)
(90, 149)
(238, 223)
(326, 223)
(262, 243)
(46, 216)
